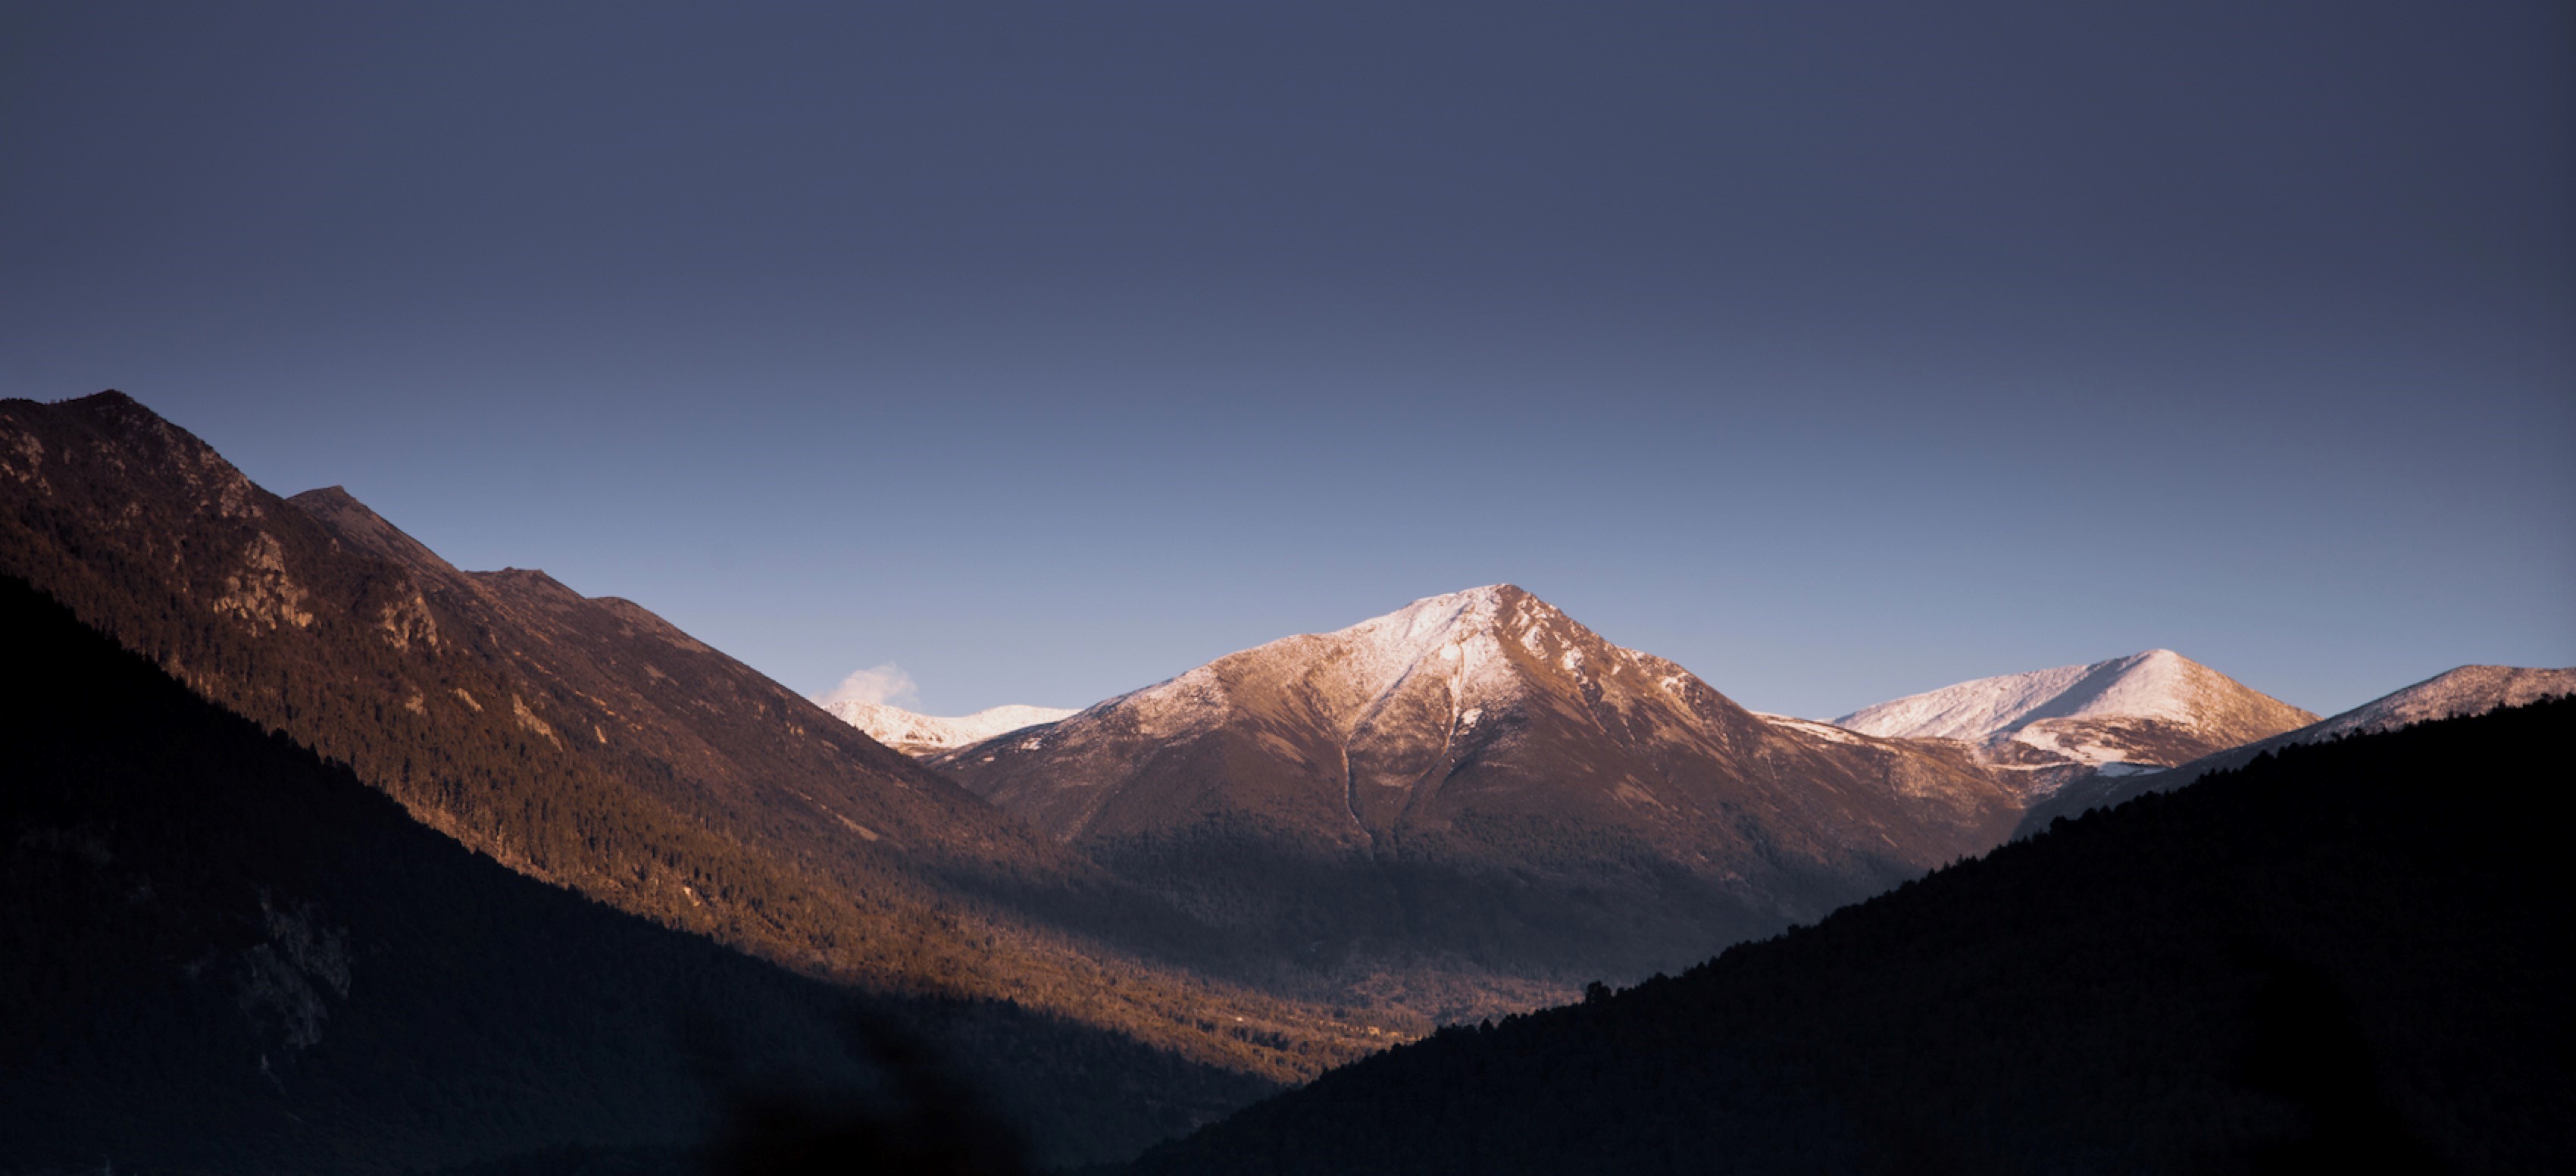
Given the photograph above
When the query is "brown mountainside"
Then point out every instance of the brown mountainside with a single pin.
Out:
(1478, 785)
(589, 743)
(616, 674)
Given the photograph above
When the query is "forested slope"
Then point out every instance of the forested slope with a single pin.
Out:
(219, 953)
(586, 742)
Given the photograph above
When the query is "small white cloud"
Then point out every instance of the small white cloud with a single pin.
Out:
(887, 684)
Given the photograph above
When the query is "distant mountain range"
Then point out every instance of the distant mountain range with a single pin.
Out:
(2152, 709)
(920, 735)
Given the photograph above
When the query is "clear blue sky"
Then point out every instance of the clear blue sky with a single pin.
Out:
(1836, 351)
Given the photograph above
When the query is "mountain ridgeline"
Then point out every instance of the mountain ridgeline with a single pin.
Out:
(1477, 791)
(2340, 957)
(1098, 928)
(1469, 806)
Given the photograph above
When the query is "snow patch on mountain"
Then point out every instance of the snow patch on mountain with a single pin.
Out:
(925, 735)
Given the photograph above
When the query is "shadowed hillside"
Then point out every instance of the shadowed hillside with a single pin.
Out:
(219, 953)
(2344, 956)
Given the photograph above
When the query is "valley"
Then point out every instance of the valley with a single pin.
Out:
(1197, 892)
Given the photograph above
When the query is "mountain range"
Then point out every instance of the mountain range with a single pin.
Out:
(1269, 865)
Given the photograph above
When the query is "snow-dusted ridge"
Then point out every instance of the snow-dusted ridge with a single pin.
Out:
(2156, 707)
(926, 735)
(2149, 685)
(2468, 690)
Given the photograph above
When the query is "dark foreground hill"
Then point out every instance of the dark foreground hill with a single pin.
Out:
(2342, 957)
(219, 953)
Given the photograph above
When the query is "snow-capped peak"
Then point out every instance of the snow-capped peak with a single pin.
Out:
(1388, 646)
(1470, 639)
(1479, 645)
(925, 735)
(2092, 714)
(1426, 621)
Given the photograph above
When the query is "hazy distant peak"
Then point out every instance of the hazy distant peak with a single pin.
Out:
(923, 735)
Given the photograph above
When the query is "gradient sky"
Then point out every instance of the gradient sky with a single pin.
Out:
(1836, 351)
